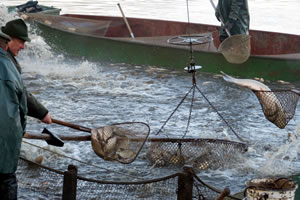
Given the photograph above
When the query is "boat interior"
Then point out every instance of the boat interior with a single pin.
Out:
(156, 31)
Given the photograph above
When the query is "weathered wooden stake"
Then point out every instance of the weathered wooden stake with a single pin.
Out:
(70, 183)
(185, 184)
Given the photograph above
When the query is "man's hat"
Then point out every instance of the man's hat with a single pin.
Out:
(4, 36)
(16, 28)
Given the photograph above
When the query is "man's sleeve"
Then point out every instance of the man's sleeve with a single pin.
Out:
(35, 108)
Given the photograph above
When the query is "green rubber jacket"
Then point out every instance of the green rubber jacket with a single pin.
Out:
(35, 108)
(235, 15)
(13, 107)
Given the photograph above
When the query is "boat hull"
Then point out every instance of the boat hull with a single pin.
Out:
(175, 57)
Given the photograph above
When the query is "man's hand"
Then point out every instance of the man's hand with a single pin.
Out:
(47, 119)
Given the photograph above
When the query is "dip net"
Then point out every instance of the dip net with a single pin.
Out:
(236, 48)
(278, 106)
(120, 142)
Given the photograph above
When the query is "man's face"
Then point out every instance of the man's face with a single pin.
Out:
(15, 45)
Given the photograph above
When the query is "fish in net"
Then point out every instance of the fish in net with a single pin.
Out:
(120, 142)
(278, 106)
(200, 153)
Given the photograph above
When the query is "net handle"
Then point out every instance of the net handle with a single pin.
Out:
(70, 125)
(221, 17)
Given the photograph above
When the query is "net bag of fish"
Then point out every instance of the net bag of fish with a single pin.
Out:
(120, 142)
(278, 106)
(200, 153)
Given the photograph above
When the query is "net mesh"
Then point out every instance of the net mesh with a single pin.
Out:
(236, 48)
(165, 189)
(40, 182)
(200, 153)
(45, 184)
(278, 106)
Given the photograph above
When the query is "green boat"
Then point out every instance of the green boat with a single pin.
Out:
(34, 7)
(161, 43)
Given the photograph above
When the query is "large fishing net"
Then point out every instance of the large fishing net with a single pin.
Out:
(37, 181)
(278, 106)
(200, 153)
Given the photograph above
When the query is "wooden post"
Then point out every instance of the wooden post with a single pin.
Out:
(185, 184)
(223, 194)
(70, 183)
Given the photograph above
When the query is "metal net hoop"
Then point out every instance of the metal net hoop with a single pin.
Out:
(191, 39)
(236, 48)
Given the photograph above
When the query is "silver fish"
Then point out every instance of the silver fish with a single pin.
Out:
(272, 107)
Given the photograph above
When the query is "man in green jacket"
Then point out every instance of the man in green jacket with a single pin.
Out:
(13, 106)
(17, 30)
(235, 16)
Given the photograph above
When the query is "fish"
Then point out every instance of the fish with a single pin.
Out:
(111, 143)
(271, 106)
(104, 142)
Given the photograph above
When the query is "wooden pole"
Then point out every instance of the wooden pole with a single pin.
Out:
(70, 183)
(126, 22)
(223, 194)
(185, 184)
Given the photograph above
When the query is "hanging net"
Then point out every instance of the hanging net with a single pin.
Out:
(278, 106)
(201, 153)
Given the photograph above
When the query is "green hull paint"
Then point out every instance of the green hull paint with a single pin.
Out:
(106, 49)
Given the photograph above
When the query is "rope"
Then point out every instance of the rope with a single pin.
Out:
(83, 161)
(190, 112)
(220, 115)
(182, 100)
(189, 33)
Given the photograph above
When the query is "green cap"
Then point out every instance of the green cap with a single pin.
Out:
(16, 28)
